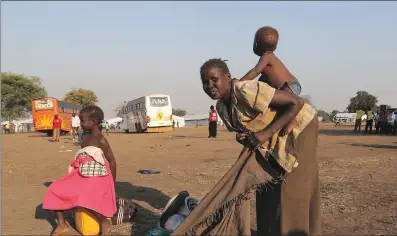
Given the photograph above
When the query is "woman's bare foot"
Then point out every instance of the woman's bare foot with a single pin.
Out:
(61, 229)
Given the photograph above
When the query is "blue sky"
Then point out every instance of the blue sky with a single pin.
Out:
(123, 50)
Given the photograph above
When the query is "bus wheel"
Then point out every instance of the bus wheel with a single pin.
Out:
(126, 131)
(139, 128)
(49, 133)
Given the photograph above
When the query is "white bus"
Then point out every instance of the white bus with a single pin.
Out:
(151, 113)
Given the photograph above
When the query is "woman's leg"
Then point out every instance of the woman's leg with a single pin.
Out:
(268, 211)
(300, 195)
(62, 226)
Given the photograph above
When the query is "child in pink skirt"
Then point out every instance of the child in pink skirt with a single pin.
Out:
(91, 177)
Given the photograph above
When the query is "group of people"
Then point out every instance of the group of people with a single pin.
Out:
(270, 120)
(14, 127)
(379, 119)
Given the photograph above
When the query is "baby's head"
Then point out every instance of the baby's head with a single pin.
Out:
(91, 117)
(216, 79)
(266, 40)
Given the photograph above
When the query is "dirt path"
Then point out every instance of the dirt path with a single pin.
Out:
(358, 176)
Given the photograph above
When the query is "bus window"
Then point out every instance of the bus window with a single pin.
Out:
(158, 101)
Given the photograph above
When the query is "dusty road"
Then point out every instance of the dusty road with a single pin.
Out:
(358, 176)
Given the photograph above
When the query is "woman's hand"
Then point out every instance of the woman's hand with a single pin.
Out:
(240, 138)
(262, 137)
(253, 141)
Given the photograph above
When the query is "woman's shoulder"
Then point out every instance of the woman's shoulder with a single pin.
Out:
(250, 85)
(251, 88)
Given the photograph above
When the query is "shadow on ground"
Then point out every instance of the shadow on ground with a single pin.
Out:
(43, 214)
(373, 145)
(291, 233)
(38, 136)
(145, 219)
(141, 223)
(346, 132)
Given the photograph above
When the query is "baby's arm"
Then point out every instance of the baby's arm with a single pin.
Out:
(104, 145)
(258, 69)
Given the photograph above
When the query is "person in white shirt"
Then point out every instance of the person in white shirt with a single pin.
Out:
(75, 125)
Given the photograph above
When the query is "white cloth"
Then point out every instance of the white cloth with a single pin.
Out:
(75, 122)
(94, 152)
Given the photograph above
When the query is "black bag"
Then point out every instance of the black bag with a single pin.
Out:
(126, 210)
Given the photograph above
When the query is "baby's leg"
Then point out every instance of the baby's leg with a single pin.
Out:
(62, 226)
(290, 126)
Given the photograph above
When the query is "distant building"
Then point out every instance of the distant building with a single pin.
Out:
(193, 120)
(344, 117)
(179, 121)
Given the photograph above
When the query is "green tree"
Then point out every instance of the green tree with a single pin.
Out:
(81, 97)
(17, 92)
(119, 108)
(333, 113)
(324, 115)
(363, 100)
(179, 112)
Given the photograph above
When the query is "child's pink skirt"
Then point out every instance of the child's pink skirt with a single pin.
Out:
(74, 190)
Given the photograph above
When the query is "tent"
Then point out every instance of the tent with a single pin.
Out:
(179, 121)
(114, 121)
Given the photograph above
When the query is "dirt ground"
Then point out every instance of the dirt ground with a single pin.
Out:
(358, 176)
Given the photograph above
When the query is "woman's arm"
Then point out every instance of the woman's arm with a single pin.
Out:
(290, 104)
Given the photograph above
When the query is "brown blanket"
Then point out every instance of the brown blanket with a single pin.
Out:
(291, 206)
(225, 210)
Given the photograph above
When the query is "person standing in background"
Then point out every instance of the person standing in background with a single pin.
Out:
(107, 128)
(213, 123)
(369, 122)
(359, 115)
(382, 119)
(56, 128)
(75, 125)
(7, 128)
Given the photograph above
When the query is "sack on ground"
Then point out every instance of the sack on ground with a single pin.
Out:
(126, 210)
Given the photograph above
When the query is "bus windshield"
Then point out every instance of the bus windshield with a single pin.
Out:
(43, 104)
(159, 101)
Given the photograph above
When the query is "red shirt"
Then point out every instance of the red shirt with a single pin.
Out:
(56, 123)
(213, 116)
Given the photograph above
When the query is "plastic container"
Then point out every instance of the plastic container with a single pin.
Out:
(158, 231)
(173, 222)
(86, 222)
(190, 204)
(172, 208)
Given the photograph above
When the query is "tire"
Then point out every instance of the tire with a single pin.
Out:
(126, 131)
(49, 133)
